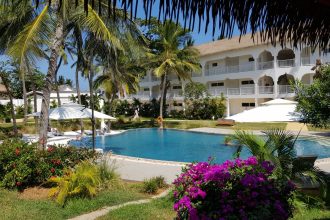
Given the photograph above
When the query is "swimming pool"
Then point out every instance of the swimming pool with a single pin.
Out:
(183, 146)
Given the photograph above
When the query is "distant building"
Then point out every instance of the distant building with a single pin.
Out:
(246, 72)
(66, 94)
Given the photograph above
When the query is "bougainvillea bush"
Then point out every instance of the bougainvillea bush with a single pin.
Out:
(240, 189)
(23, 164)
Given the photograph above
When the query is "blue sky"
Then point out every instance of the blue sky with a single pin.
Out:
(199, 38)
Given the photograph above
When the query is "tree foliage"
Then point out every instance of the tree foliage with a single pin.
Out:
(314, 100)
(195, 90)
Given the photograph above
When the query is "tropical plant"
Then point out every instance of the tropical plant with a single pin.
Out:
(240, 189)
(45, 34)
(195, 90)
(169, 55)
(5, 72)
(83, 181)
(277, 146)
(314, 100)
(23, 165)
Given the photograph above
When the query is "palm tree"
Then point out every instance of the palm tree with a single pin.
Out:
(277, 146)
(51, 26)
(120, 74)
(171, 55)
(5, 73)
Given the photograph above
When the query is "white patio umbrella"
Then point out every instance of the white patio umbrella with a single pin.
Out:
(272, 111)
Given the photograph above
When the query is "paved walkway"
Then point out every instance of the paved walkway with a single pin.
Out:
(296, 126)
(138, 169)
(105, 210)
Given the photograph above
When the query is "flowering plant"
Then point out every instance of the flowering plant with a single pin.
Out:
(240, 189)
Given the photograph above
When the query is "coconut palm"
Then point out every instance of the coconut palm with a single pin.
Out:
(48, 31)
(120, 75)
(276, 146)
(171, 55)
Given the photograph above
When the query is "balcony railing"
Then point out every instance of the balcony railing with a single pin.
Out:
(266, 65)
(285, 89)
(230, 69)
(266, 89)
(286, 63)
(306, 61)
(217, 91)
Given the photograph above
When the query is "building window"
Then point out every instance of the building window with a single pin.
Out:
(146, 89)
(177, 87)
(214, 64)
(217, 84)
(177, 104)
(247, 82)
(247, 104)
(251, 59)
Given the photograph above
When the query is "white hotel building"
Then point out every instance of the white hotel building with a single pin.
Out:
(246, 72)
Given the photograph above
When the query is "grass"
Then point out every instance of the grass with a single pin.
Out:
(163, 209)
(311, 128)
(14, 207)
(159, 209)
(188, 124)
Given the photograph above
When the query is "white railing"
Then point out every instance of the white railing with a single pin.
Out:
(285, 89)
(286, 63)
(140, 95)
(247, 90)
(196, 74)
(266, 65)
(233, 91)
(250, 66)
(306, 61)
(230, 69)
(266, 89)
(217, 91)
(216, 71)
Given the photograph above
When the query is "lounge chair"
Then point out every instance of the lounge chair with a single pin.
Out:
(226, 122)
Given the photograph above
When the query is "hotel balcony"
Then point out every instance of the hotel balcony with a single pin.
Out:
(231, 69)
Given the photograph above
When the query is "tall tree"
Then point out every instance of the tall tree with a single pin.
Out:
(314, 100)
(170, 55)
(5, 73)
(50, 28)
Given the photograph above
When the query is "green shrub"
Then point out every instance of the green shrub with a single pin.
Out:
(160, 181)
(23, 164)
(83, 181)
(153, 184)
(150, 186)
(107, 171)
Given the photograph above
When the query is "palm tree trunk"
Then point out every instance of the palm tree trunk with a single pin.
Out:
(54, 52)
(35, 103)
(56, 83)
(79, 96)
(91, 76)
(162, 100)
(25, 99)
(5, 82)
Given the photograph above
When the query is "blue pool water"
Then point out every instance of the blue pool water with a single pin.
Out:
(184, 146)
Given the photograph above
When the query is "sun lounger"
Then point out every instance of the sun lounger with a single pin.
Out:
(226, 122)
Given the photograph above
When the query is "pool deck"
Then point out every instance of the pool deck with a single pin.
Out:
(138, 169)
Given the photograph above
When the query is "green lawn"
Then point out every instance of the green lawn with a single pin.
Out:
(159, 209)
(163, 209)
(188, 124)
(13, 207)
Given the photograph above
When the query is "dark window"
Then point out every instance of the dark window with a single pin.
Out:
(177, 104)
(217, 84)
(214, 64)
(177, 87)
(146, 89)
(251, 59)
(247, 82)
(246, 104)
